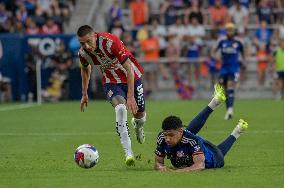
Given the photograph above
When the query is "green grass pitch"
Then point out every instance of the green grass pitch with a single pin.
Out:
(37, 146)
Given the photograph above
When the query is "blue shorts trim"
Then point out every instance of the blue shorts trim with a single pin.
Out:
(115, 89)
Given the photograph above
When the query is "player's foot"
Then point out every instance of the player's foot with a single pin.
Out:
(229, 114)
(219, 93)
(129, 161)
(241, 127)
(139, 131)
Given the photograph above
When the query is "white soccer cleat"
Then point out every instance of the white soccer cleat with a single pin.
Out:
(229, 114)
(139, 131)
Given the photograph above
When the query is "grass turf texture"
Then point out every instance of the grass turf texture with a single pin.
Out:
(37, 146)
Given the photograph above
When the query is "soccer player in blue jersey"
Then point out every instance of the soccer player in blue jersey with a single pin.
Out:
(189, 152)
(231, 48)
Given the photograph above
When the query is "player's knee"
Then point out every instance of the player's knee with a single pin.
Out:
(117, 100)
(120, 108)
(141, 118)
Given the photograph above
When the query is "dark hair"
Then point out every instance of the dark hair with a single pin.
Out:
(172, 123)
(84, 30)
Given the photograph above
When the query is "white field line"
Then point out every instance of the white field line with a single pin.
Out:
(17, 107)
(113, 133)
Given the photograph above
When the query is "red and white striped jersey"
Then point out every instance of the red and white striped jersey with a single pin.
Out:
(110, 55)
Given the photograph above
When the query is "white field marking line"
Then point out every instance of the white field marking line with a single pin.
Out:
(17, 107)
(113, 133)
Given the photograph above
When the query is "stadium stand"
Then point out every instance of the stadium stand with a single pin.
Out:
(186, 31)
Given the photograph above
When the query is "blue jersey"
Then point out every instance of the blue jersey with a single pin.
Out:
(190, 145)
(230, 51)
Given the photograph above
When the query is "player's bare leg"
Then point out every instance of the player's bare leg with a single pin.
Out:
(138, 121)
(122, 129)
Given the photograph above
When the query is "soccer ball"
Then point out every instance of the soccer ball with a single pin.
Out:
(86, 156)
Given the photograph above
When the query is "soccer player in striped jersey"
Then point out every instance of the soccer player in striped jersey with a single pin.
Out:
(189, 152)
(231, 48)
(121, 81)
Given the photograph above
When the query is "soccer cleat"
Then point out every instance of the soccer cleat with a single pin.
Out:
(241, 127)
(129, 161)
(219, 93)
(229, 114)
(139, 131)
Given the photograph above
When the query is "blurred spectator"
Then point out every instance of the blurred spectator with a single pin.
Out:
(128, 41)
(262, 61)
(54, 91)
(280, 30)
(170, 13)
(114, 14)
(117, 28)
(31, 27)
(17, 27)
(5, 16)
(178, 30)
(31, 60)
(21, 13)
(218, 14)
(50, 27)
(194, 11)
(279, 68)
(262, 34)
(160, 32)
(62, 59)
(195, 33)
(5, 89)
(139, 12)
(143, 33)
(239, 14)
(264, 12)
(150, 48)
(154, 8)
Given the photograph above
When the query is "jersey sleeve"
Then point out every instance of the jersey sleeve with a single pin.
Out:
(195, 146)
(160, 149)
(119, 50)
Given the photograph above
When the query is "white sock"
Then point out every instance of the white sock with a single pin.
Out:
(214, 103)
(122, 128)
(236, 132)
(140, 122)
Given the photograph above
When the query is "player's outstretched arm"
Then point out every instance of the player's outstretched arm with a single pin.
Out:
(159, 164)
(85, 74)
(198, 164)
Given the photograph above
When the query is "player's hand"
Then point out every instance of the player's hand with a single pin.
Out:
(84, 102)
(132, 105)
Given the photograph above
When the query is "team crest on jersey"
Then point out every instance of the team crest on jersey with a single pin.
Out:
(110, 93)
(196, 148)
(235, 45)
(180, 154)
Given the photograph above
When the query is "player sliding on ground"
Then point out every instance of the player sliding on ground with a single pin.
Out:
(121, 80)
(189, 152)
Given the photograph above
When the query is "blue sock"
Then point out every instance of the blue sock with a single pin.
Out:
(197, 123)
(230, 98)
(226, 145)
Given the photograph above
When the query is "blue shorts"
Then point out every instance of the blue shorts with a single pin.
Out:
(217, 161)
(120, 89)
(224, 78)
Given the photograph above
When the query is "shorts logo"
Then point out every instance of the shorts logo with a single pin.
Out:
(180, 154)
(196, 148)
(140, 98)
(110, 93)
